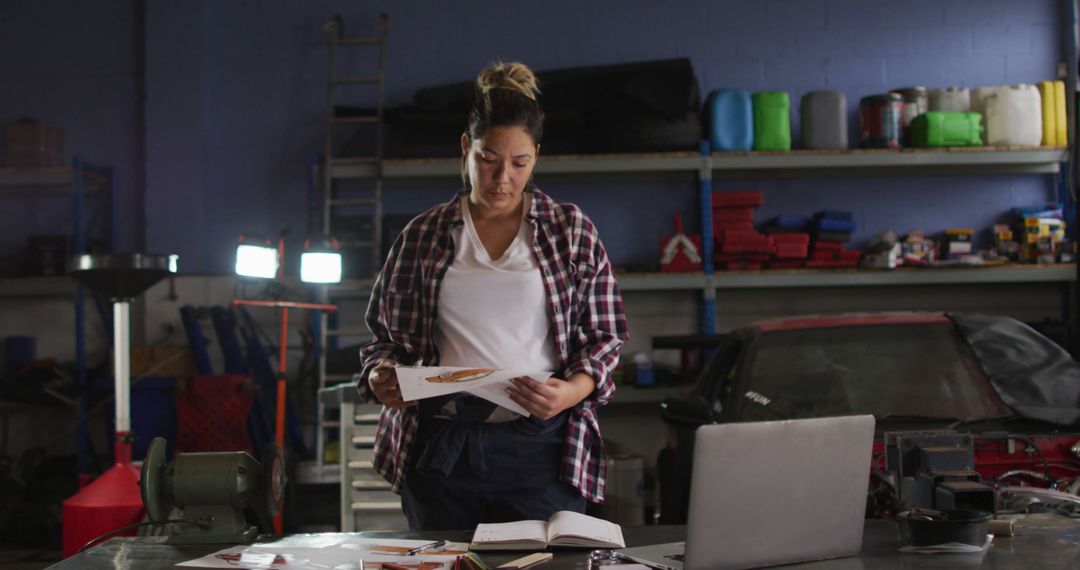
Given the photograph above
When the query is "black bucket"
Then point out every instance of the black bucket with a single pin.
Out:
(926, 527)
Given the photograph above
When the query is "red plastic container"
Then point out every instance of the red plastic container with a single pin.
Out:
(111, 502)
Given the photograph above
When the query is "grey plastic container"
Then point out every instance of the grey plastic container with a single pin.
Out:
(824, 120)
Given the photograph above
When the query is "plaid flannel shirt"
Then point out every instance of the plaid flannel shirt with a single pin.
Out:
(587, 322)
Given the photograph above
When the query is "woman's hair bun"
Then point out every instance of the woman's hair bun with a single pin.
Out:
(513, 76)
(507, 95)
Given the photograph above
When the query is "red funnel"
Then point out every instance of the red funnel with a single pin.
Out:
(112, 501)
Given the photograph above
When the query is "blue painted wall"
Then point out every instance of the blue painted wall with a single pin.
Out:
(73, 65)
(235, 96)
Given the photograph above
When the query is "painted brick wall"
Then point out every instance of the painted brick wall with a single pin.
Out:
(71, 65)
(235, 96)
(264, 68)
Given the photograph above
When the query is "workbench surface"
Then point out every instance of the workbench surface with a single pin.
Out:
(1042, 541)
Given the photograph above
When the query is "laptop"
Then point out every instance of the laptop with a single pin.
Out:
(769, 493)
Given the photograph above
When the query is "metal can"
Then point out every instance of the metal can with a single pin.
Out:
(881, 121)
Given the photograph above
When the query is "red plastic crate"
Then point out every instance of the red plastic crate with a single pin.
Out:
(786, 263)
(828, 246)
(719, 228)
(791, 250)
(823, 264)
(736, 265)
(742, 236)
(750, 257)
(739, 214)
(846, 256)
(794, 238)
(212, 413)
(745, 198)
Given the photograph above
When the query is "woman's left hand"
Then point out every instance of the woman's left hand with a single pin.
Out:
(547, 399)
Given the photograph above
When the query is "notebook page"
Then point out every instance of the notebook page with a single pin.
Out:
(569, 523)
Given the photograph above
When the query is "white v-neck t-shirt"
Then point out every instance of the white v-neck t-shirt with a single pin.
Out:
(493, 312)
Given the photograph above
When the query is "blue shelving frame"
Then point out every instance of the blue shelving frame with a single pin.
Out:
(79, 171)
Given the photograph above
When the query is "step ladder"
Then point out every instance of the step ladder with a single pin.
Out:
(367, 503)
(351, 185)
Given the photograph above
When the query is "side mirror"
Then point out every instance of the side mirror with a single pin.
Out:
(689, 410)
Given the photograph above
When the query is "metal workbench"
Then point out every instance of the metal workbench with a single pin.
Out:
(1042, 541)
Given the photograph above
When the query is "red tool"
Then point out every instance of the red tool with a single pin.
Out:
(680, 252)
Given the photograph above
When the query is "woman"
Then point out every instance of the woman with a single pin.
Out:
(501, 276)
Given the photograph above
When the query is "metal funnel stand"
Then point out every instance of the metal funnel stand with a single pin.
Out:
(121, 278)
(113, 500)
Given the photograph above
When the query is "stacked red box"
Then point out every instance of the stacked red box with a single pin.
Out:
(789, 250)
(738, 244)
(838, 258)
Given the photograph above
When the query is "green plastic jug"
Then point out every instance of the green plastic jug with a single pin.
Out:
(947, 128)
(772, 120)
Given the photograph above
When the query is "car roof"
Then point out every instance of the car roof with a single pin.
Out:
(850, 320)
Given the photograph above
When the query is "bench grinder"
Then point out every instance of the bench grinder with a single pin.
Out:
(215, 492)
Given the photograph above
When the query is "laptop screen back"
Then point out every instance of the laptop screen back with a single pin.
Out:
(767, 493)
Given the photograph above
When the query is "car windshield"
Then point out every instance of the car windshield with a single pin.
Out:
(901, 370)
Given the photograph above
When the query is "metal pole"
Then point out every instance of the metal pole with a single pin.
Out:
(1071, 37)
(122, 373)
(82, 445)
(708, 295)
(279, 423)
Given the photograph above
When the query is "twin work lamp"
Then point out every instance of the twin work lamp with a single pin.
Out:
(259, 259)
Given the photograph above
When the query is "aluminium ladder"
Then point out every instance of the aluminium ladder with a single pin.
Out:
(354, 472)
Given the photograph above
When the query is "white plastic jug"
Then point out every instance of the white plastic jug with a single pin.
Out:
(980, 95)
(956, 99)
(1014, 116)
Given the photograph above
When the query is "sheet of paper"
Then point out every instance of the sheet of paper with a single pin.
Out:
(312, 552)
(419, 382)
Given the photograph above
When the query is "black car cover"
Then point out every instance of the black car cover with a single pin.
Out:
(1032, 374)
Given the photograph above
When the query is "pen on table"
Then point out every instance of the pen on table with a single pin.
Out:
(438, 544)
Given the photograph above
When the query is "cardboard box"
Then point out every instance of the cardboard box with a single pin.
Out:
(32, 144)
(162, 361)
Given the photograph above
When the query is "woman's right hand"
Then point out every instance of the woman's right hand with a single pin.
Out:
(384, 384)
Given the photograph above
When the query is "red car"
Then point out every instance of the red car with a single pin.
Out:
(1014, 390)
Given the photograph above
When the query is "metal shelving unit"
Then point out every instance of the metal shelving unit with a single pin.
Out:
(1012, 273)
(874, 162)
(775, 278)
(864, 162)
(37, 287)
(76, 181)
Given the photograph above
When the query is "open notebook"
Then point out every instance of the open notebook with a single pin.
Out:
(564, 528)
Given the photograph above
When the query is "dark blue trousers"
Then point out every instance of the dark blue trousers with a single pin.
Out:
(467, 472)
